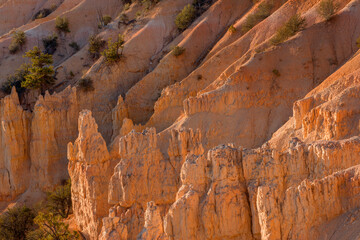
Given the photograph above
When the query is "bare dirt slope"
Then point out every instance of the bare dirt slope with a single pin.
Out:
(236, 138)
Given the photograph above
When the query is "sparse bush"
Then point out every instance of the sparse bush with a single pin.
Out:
(276, 72)
(111, 53)
(295, 24)
(358, 42)
(232, 29)
(185, 17)
(86, 84)
(201, 6)
(177, 51)
(18, 40)
(16, 223)
(50, 43)
(41, 72)
(149, 3)
(263, 11)
(107, 19)
(326, 9)
(124, 19)
(51, 227)
(74, 46)
(43, 13)
(127, 6)
(104, 21)
(96, 43)
(15, 80)
(62, 24)
(59, 201)
(138, 14)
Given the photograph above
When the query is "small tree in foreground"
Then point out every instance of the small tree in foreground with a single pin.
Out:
(51, 227)
(111, 53)
(16, 223)
(59, 201)
(41, 72)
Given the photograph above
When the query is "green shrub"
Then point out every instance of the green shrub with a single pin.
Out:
(16, 223)
(232, 29)
(43, 13)
(149, 3)
(185, 17)
(96, 43)
(62, 24)
(326, 9)
(124, 19)
(41, 73)
(18, 40)
(177, 51)
(50, 43)
(59, 201)
(127, 6)
(15, 80)
(111, 53)
(86, 84)
(51, 227)
(74, 46)
(295, 24)
(104, 21)
(263, 11)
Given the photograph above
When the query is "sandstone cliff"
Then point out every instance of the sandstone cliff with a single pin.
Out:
(236, 138)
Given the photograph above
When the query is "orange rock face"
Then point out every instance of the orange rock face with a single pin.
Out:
(236, 138)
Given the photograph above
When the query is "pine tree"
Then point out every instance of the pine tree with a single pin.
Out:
(40, 72)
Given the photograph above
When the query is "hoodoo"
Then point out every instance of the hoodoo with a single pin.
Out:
(180, 119)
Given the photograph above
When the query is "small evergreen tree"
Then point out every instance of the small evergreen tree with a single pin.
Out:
(40, 72)
(15, 80)
(59, 201)
(111, 53)
(62, 24)
(96, 43)
(185, 17)
(51, 227)
(16, 223)
(50, 43)
(18, 40)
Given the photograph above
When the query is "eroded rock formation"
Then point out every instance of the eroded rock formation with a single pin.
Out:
(234, 139)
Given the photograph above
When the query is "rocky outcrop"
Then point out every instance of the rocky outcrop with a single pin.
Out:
(48, 144)
(15, 148)
(196, 41)
(139, 171)
(90, 171)
(212, 197)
